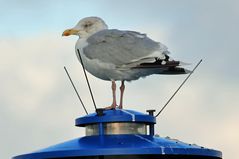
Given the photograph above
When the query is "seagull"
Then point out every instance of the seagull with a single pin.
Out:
(120, 55)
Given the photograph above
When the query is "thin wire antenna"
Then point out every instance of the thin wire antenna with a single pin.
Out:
(179, 88)
(75, 90)
(93, 100)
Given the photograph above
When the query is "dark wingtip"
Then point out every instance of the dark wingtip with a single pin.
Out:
(175, 71)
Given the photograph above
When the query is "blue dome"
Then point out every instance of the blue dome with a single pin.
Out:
(126, 145)
(120, 145)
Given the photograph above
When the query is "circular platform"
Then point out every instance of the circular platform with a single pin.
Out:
(121, 144)
(118, 115)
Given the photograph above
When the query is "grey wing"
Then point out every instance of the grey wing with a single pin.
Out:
(121, 47)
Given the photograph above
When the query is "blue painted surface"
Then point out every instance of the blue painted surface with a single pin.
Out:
(120, 145)
(131, 144)
(117, 115)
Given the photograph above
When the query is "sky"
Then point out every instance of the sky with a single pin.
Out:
(38, 105)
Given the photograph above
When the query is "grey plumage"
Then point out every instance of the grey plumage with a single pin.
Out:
(121, 47)
(126, 55)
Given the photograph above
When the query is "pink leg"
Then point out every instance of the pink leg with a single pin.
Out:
(114, 96)
(122, 88)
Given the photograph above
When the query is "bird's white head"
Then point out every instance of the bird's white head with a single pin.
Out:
(86, 27)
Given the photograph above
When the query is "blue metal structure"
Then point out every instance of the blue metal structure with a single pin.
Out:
(121, 134)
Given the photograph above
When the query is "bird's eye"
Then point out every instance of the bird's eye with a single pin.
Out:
(87, 25)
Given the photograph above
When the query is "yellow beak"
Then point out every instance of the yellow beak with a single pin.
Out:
(70, 32)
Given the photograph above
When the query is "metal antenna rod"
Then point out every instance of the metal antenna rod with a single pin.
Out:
(93, 100)
(75, 90)
(179, 88)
